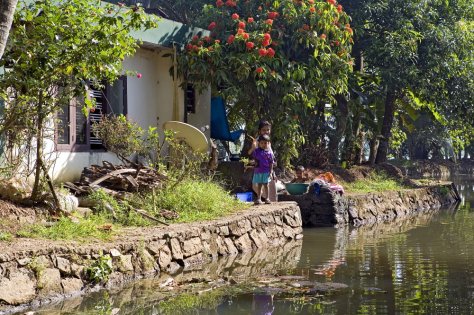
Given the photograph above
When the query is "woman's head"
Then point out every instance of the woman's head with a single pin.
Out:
(264, 127)
(299, 171)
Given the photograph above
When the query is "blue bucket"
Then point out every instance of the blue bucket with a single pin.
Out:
(245, 197)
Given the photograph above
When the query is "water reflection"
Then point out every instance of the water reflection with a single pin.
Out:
(420, 265)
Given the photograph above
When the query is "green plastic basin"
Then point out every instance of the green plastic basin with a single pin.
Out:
(296, 188)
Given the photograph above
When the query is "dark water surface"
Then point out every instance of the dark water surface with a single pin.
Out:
(421, 265)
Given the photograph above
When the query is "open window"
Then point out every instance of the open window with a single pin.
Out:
(73, 128)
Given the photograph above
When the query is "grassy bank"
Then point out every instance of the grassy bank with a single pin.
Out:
(375, 181)
(190, 201)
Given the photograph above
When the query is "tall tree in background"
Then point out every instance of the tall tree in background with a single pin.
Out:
(277, 60)
(421, 53)
(7, 10)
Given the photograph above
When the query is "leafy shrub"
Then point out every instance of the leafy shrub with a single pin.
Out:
(119, 135)
(100, 269)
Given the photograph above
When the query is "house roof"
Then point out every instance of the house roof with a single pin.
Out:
(167, 32)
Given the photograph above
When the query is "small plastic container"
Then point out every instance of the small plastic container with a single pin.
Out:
(245, 196)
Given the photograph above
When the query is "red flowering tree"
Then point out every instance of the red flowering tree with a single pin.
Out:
(277, 60)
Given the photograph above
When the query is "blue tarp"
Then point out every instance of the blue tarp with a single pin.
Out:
(219, 123)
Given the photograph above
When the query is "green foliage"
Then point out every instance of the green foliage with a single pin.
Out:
(67, 229)
(417, 49)
(100, 269)
(119, 135)
(37, 269)
(194, 200)
(375, 182)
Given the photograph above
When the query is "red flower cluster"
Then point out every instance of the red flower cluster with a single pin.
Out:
(241, 25)
(231, 3)
(270, 52)
(339, 8)
(259, 70)
(333, 2)
(230, 39)
(272, 15)
(212, 26)
(250, 20)
(269, 22)
(219, 3)
(262, 52)
(235, 16)
(250, 45)
(312, 9)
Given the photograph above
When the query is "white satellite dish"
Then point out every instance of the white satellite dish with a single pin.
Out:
(189, 134)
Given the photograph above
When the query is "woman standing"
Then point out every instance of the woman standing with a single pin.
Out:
(265, 128)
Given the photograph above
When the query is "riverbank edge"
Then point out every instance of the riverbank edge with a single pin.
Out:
(36, 272)
(435, 169)
(327, 208)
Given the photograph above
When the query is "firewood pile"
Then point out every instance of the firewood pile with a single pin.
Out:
(117, 178)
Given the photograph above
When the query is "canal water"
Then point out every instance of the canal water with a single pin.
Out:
(419, 265)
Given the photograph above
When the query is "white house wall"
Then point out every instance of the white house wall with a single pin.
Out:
(148, 98)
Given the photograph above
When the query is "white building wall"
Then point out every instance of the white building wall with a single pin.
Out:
(148, 98)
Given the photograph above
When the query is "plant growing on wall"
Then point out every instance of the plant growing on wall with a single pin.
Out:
(278, 60)
(55, 47)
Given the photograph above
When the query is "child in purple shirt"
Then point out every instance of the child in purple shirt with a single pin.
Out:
(264, 159)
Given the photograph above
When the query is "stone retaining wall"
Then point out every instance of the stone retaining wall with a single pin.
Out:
(37, 271)
(331, 209)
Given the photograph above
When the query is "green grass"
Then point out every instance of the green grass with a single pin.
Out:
(375, 182)
(66, 229)
(195, 201)
(5, 236)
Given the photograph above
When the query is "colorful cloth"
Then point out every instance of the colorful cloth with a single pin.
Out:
(264, 160)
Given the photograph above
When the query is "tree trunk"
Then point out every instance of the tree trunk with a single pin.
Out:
(7, 10)
(374, 144)
(386, 131)
(358, 139)
(39, 148)
(342, 112)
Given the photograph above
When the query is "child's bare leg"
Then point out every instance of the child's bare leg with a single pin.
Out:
(265, 192)
(259, 193)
